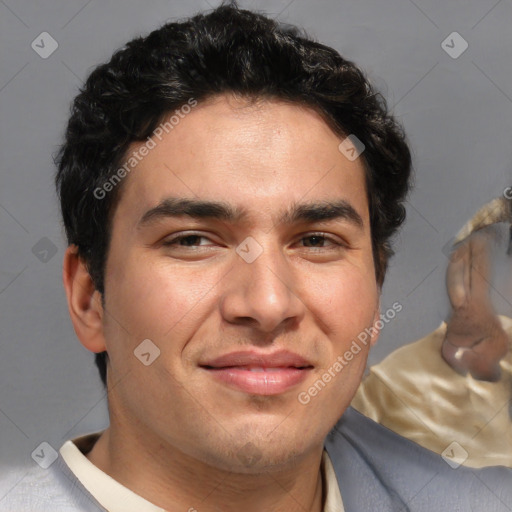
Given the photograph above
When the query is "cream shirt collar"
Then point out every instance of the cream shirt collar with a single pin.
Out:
(115, 497)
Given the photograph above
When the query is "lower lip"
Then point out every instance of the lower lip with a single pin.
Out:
(272, 382)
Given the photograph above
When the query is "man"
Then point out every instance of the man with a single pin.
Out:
(229, 189)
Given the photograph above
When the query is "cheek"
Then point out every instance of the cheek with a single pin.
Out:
(346, 300)
(153, 302)
(156, 300)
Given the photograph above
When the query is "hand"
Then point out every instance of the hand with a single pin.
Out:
(474, 342)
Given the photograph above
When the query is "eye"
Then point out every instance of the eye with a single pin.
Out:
(318, 240)
(189, 240)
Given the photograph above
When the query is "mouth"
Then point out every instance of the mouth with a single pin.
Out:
(259, 374)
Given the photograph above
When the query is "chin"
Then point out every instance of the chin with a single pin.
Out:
(259, 457)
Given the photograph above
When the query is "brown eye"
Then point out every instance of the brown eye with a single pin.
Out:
(189, 240)
(192, 240)
(319, 241)
(314, 241)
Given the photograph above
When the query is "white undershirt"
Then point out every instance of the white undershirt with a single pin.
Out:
(115, 497)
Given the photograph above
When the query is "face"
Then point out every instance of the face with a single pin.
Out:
(241, 248)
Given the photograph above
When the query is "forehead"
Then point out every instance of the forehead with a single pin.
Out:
(260, 156)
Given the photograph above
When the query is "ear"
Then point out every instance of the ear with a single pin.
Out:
(84, 301)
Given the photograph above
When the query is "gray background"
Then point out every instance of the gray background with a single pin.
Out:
(457, 113)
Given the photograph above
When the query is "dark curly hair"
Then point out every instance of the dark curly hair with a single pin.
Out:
(226, 50)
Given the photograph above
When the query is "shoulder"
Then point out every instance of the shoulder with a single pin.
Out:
(54, 489)
(380, 470)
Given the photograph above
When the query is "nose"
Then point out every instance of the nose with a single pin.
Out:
(263, 294)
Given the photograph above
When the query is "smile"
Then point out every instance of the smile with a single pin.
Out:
(259, 380)
(259, 373)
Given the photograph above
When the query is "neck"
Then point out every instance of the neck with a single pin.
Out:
(172, 480)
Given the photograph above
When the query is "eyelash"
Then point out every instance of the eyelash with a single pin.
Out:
(175, 241)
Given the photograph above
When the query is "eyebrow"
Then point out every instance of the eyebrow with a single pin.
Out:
(202, 209)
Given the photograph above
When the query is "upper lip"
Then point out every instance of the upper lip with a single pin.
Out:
(281, 358)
